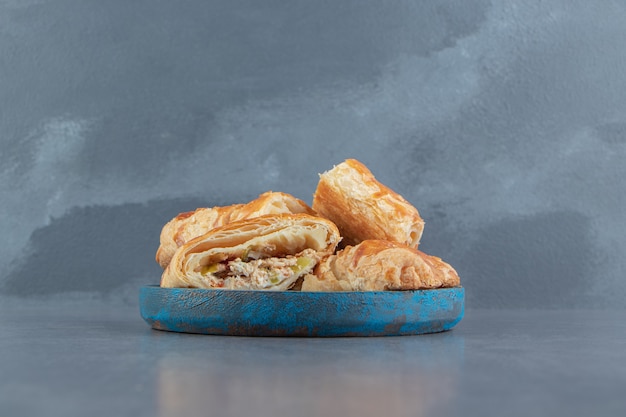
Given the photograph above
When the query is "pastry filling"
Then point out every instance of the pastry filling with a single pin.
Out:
(262, 272)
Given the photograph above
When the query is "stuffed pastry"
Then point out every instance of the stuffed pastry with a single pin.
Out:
(362, 208)
(189, 225)
(263, 253)
(378, 265)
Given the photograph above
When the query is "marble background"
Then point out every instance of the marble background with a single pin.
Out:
(503, 122)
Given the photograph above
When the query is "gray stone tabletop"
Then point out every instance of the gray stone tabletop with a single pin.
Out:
(102, 361)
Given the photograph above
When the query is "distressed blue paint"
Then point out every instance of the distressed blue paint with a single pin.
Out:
(294, 313)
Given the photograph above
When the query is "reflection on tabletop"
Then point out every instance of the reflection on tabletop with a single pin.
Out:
(404, 376)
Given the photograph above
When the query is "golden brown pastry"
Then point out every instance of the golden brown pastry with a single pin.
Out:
(189, 225)
(266, 253)
(363, 208)
(378, 265)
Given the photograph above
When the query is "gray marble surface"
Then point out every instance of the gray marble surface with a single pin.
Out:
(100, 360)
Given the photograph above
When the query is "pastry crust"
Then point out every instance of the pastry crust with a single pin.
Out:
(257, 253)
(377, 265)
(363, 208)
(189, 225)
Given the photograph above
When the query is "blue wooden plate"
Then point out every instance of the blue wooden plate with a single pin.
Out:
(294, 313)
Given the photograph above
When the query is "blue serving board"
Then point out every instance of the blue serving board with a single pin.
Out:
(304, 314)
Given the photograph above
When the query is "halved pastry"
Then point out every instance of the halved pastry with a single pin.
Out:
(265, 253)
(378, 265)
(189, 225)
(363, 208)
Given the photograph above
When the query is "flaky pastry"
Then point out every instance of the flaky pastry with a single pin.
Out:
(189, 225)
(363, 208)
(378, 265)
(265, 253)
